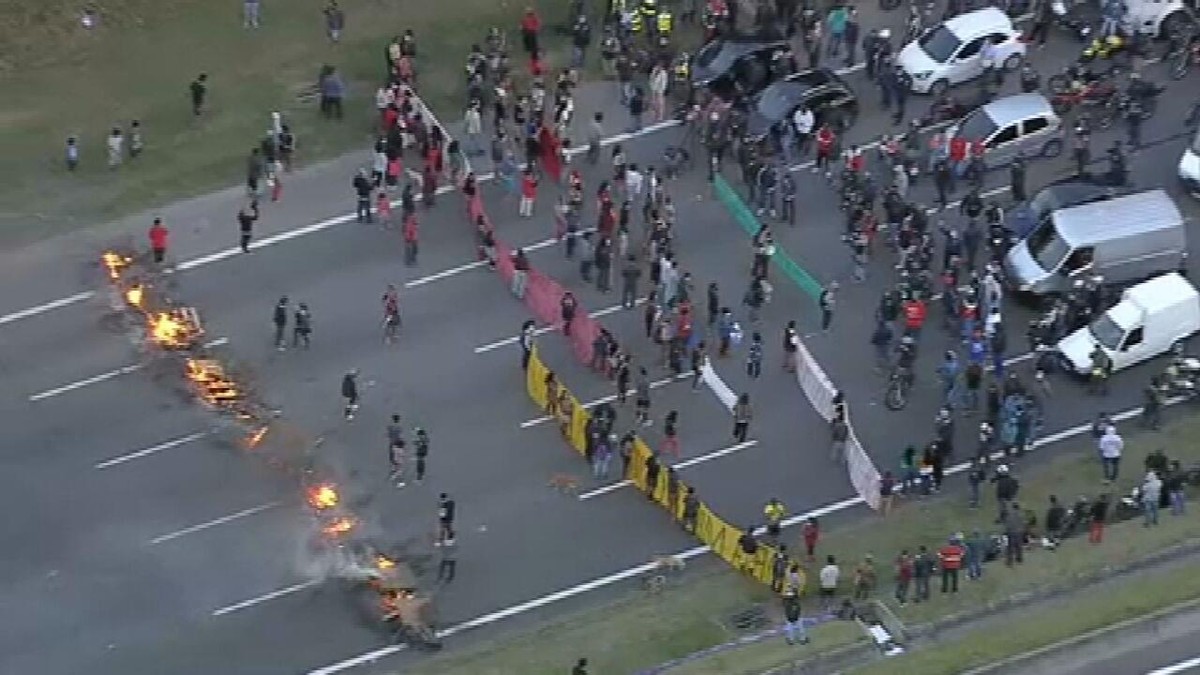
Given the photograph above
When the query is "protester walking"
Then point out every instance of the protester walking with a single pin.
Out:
(793, 624)
(158, 241)
(810, 532)
(395, 437)
(448, 562)
(742, 414)
(922, 572)
(1151, 493)
(828, 577)
(671, 434)
(280, 318)
(422, 453)
(246, 218)
(904, 576)
(950, 558)
(754, 357)
(350, 393)
(302, 327)
(446, 511)
(826, 303)
(1111, 445)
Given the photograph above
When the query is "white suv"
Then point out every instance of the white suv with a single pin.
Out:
(952, 52)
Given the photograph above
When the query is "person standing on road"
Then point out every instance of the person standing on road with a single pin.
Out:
(529, 186)
(826, 302)
(754, 357)
(742, 414)
(1110, 445)
(671, 434)
(631, 271)
(350, 393)
(198, 90)
(641, 389)
(158, 241)
(567, 309)
(412, 236)
(255, 168)
(362, 191)
(445, 514)
(280, 320)
(922, 572)
(791, 344)
(528, 332)
(1016, 178)
(850, 33)
(448, 563)
(422, 452)
(904, 575)
(839, 433)
(246, 217)
(302, 327)
(396, 452)
(699, 360)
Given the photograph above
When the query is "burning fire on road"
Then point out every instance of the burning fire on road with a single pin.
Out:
(323, 497)
(339, 526)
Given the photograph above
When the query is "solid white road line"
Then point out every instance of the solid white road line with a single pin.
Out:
(51, 393)
(547, 329)
(623, 575)
(213, 523)
(237, 607)
(1181, 667)
(691, 461)
(607, 399)
(46, 307)
(184, 440)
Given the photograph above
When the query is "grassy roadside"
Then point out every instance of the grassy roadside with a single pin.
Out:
(1080, 614)
(62, 80)
(639, 632)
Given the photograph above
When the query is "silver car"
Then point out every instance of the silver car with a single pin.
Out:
(1023, 125)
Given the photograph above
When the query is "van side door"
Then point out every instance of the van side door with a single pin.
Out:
(1134, 348)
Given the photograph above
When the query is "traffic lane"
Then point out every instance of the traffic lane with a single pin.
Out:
(1161, 653)
(309, 629)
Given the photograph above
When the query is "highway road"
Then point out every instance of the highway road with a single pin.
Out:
(151, 541)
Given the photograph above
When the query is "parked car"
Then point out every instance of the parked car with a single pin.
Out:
(1022, 219)
(821, 90)
(1152, 318)
(733, 67)
(1159, 18)
(951, 52)
(1122, 240)
(1024, 124)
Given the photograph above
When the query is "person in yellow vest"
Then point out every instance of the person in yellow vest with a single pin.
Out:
(774, 512)
(665, 23)
(635, 22)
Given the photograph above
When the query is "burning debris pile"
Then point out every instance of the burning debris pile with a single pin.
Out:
(178, 331)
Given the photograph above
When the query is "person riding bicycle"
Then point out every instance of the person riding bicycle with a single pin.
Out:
(906, 353)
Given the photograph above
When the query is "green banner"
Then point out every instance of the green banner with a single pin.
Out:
(745, 218)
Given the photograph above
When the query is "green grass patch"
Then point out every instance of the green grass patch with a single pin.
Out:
(61, 79)
(1081, 614)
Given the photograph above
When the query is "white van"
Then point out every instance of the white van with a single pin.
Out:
(1189, 167)
(1150, 319)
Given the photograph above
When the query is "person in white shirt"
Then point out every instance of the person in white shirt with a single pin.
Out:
(829, 576)
(1110, 446)
(658, 92)
(473, 127)
(116, 148)
(633, 183)
(803, 120)
(1151, 493)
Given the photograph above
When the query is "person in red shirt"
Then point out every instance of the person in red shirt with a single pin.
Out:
(529, 187)
(811, 531)
(158, 241)
(410, 239)
(904, 576)
(914, 316)
(825, 141)
(531, 25)
(855, 160)
(950, 558)
(958, 154)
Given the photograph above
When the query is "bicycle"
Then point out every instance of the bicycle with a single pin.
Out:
(900, 382)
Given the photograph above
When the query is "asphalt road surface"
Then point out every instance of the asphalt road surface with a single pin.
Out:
(148, 541)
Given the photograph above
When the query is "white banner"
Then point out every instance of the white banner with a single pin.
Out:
(819, 390)
(718, 387)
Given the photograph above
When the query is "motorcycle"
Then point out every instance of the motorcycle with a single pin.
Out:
(1092, 94)
(1183, 58)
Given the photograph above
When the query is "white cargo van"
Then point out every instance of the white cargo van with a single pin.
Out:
(1149, 320)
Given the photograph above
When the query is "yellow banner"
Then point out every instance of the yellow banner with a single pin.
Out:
(571, 419)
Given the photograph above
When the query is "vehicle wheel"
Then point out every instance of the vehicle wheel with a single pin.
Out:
(895, 398)
(1012, 62)
(938, 88)
(1052, 149)
(1059, 83)
(1176, 22)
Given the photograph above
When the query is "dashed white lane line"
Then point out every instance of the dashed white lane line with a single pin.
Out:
(103, 377)
(266, 597)
(46, 307)
(691, 461)
(154, 449)
(208, 524)
(483, 349)
(606, 399)
(638, 570)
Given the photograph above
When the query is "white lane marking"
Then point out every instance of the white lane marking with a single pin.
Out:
(50, 393)
(606, 399)
(547, 329)
(622, 575)
(476, 264)
(1181, 667)
(267, 597)
(692, 461)
(244, 513)
(46, 307)
(96, 379)
(183, 440)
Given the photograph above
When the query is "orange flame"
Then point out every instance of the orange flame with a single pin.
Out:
(215, 386)
(323, 497)
(115, 263)
(255, 438)
(134, 295)
(384, 563)
(339, 526)
(169, 331)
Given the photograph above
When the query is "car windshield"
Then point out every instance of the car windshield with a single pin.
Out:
(939, 43)
(1106, 332)
(1047, 248)
(977, 126)
(774, 102)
